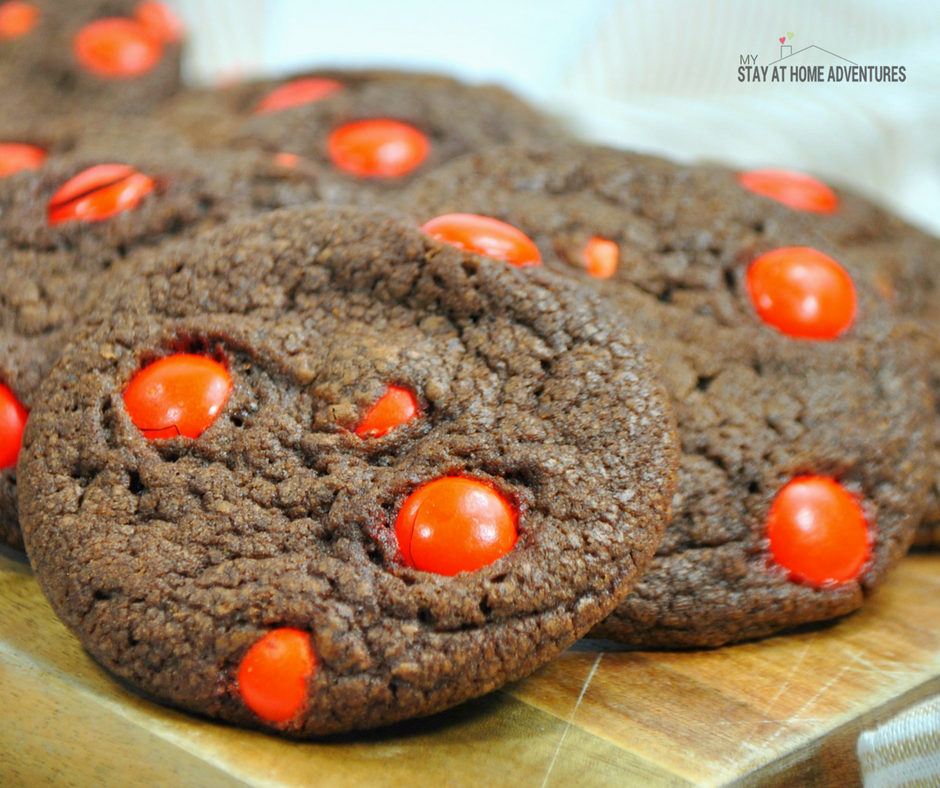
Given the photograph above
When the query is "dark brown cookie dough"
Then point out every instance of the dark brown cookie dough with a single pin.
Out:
(39, 72)
(192, 191)
(902, 264)
(170, 559)
(38, 292)
(898, 262)
(456, 118)
(755, 408)
(48, 273)
(96, 135)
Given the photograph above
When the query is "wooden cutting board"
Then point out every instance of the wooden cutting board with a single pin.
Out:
(783, 712)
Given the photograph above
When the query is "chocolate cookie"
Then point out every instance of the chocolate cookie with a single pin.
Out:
(119, 56)
(898, 262)
(67, 204)
(65, 226)
(845, 416)
(367, 132)
(369, 367)
(27, 141)
(901, 263)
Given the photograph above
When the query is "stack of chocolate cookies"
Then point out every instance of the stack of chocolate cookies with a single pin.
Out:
(336, 400)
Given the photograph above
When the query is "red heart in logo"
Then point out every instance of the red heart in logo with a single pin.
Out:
(783, 40)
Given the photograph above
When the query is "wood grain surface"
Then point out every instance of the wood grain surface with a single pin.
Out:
(783, 712)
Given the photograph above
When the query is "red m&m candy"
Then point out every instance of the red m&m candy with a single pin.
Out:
(17, 19)
(16, 156)
(377, 148)
(817, 531)
(601, 258)
(802, 293)
(12, 421)
(273, 675)
(177, 395)
(793, 189)
(116, 48)
(394, 408)
(296, 93)
(455, 525)
(99, 193)
(160, 21)
(485, 236)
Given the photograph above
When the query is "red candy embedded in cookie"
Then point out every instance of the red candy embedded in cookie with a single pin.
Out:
(12, 421)
(160, 21)
(177, 395)
(455, 525)
(99, 193)
(817, 531)
(802, 293)
(273, 675)
(394, 408)
(793, 189)
(16, 156)
(486, 236)
(300, 91)
(601, 258)
(17, 19)
(377, 148)
(116, 48)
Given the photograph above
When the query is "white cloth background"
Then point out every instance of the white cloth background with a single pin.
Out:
(661, 76)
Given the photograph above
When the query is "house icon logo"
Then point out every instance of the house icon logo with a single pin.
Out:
(786, 50)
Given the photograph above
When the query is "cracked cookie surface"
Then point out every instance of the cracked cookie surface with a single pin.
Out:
(756, 408)
(171, 559)
(49, 272)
